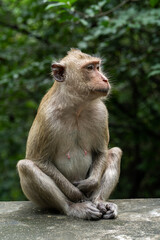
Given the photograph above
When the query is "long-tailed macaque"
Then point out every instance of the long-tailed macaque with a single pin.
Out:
(68, 166)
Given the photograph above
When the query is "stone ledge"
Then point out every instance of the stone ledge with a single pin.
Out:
(138, 219)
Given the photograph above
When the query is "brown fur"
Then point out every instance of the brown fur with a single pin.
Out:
(67, 157)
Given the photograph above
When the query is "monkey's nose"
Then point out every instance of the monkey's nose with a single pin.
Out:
(105, 80)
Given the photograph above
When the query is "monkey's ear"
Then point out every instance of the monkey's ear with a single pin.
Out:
(58, 72)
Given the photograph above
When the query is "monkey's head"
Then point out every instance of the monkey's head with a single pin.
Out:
(81, 74)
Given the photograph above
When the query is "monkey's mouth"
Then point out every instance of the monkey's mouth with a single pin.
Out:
(102, 90)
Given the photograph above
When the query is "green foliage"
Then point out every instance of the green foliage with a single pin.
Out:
(126, 35)
(153, 3)
(61, 3)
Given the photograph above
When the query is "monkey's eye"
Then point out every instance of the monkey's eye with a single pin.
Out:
(98, 67)
(90, 67)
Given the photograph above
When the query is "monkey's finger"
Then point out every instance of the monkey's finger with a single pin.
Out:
(94, 209)
(76, 183)
(95, 216)
(110, 212)
(102, 208)
(111, 207)
(92, 206)
(84, 199)
(109, 216)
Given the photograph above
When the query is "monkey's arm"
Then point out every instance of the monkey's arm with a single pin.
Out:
(98, 167)
(99, 162)
(97, 170)
(70, 191)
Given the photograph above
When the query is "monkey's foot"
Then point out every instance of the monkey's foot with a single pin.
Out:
(109, 210)
(85, 210)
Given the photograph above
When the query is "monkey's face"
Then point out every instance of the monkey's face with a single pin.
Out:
(80, 74)
(97, 83)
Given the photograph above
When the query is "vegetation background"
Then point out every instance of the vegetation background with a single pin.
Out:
(126, 34)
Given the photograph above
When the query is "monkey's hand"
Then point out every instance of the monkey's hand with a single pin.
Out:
(87, 186)
(76, 195)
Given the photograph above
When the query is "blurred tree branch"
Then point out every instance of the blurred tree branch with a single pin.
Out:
(114, 8)
(137, 122)
(24, 31)
(81, 14)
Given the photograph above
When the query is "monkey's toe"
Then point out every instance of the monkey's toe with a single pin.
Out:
(85, 210)
(108, 210)
(109, 215)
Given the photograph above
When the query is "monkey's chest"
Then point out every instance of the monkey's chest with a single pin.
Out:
(74, 164)
(73, 157)
(75, 145)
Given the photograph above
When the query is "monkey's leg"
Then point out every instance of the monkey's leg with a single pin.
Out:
(107, 185)
(42, 190)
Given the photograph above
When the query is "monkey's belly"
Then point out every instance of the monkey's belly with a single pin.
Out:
(75, 164)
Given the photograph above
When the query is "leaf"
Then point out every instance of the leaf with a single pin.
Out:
(72, 1)
(54, 5)
(155, 67)
(59, 3)
(31, 104)
(90, 12)
(82, 45)
(153, 73)
(153, 3)
(63, 1)
(84, 22)
(155, 70)
(103, 3)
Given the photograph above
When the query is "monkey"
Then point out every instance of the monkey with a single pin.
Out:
(68, 166)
